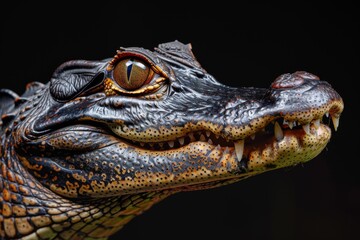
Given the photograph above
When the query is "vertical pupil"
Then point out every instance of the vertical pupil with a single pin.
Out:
(129, 66)
(131, 73)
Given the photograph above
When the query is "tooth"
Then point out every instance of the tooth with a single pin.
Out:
(317, 123)
(217, 136)
(335, 121)
(327, 114)
(151, 145)
(279, 135)
(142, 144)
(252, 136)
(181, 141)
(161, 144)
(192, 138)
(306, 128)
(239, 149)
(226, 150)
(207, 133)
(291, 125)
(210, 141)
(171, 143)
(202, 138)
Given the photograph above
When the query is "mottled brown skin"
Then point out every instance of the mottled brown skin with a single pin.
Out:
(103, 141)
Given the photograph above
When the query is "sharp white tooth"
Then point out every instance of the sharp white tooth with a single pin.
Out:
(239, 149)
(290, 124)
(202, 138)
(335, 121)
(327, 114)
(192, 138)
(279, 135)
(208, 133)
(171, 143)
(142, 144)
(306, 128)
(252, 136)
(317, 123)
(210, 141)
(181, 141)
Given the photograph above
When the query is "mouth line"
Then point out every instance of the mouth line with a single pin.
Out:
(274, 131)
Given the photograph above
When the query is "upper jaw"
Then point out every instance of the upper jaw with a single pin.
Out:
(276, 128)
(289, 114)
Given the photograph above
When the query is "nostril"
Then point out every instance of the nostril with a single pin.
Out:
(295, 79)
(287, 80)
(306, 75)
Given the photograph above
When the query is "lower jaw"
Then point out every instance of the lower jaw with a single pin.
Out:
(222, 164)
(198, 164)
(296, 147)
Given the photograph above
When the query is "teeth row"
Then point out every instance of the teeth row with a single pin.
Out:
(239, 144)
(279, 134)
(306, 127)
(192, 137)
(316, 122)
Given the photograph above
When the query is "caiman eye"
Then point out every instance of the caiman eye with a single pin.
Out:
(132, 73)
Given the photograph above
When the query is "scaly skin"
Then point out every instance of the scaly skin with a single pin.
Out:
(103, 141)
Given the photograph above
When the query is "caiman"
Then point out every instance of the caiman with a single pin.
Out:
(103, 141)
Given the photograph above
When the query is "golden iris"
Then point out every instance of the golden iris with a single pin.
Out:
(132, 73)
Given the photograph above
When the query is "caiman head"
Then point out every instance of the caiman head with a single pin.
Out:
(148, 121)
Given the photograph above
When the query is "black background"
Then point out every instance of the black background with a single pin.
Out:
(244, 45)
